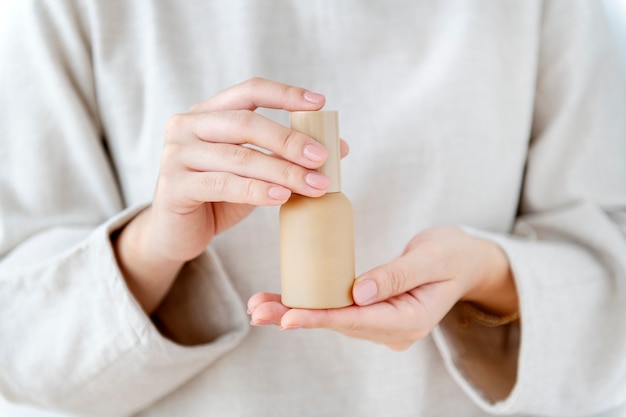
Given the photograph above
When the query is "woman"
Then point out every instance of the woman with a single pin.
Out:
(486, 172)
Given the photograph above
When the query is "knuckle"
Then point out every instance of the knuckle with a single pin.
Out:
(170, 155)
(291, 174)
(293, 92)
(165, 185)
(173, 127)
(397, 280)
(242, 118)
(325, 320)
(249, 189)
(288, 139)
(219, 183)
(355, 327)
(256, 80)
(242, 156)
(228, 187)
(254, 83)
(196, 107)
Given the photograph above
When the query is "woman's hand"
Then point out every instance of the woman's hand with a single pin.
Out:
(401, 302)
(209, 181)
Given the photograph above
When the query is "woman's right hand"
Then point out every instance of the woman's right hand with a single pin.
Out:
(208, 181)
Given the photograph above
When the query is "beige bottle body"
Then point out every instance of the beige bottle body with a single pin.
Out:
(317, 251)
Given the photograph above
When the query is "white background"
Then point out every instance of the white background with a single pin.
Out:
(617, 14)
(4, 6)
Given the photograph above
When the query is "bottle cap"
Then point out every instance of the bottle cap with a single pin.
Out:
(323, 126)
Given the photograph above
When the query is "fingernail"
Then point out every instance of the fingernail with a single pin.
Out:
(279, 193)
(315, 153)
(365, 292)
(314, 98)
(317, 180)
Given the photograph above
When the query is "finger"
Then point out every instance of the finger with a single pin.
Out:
(344, 148)
(265, 309)
(373, 322)
(268, 313)
(260, 298)
(246, 127)
(259, 92)
(201, 187)
(396, 323)
(436, 255)
(397, 277)
(348, 319)
(251, 163)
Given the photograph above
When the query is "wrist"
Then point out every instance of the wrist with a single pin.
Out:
(147, 275)
(493, 289)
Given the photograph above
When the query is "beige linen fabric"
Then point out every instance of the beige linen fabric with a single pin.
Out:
(507, 118)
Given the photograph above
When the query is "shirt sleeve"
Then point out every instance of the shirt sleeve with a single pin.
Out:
(567, 250)
(72, 337)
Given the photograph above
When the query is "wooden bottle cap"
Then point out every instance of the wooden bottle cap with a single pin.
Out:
(323, 126)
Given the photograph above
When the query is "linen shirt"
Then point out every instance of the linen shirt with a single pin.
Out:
(507, 118)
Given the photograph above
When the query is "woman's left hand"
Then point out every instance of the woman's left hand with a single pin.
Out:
(400, 302)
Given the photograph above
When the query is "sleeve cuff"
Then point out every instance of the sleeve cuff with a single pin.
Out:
(484, 361)
(567, 312)
(99, 343)
(200, 319)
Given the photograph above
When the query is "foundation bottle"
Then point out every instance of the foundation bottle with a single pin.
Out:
(317, 234)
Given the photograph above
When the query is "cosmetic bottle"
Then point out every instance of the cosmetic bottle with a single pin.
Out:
(317, 234)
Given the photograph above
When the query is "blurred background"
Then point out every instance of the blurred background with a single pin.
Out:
(616, 10)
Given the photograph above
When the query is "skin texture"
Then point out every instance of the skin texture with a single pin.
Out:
(208, 182)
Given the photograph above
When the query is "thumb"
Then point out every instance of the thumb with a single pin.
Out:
(384, 281)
